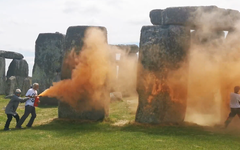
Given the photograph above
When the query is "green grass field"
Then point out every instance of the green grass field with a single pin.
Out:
(117, 132)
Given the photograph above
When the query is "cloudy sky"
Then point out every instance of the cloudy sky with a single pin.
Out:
(22, 21)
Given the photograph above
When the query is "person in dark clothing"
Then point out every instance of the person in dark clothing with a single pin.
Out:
(12, 107)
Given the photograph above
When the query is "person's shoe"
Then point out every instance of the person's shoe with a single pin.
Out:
(6, 129)
(28, 126)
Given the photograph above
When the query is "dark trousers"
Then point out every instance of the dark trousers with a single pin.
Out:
(9, 119)
(28, 110)
(233, 113)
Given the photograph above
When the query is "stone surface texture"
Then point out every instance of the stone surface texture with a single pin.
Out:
(18, 68)
(196, 17)
(48, 59)
(11, 85)
(162, 91)
(2, 75)
(10, 55)
(74, 39)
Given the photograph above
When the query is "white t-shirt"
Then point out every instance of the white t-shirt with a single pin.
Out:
(234, 100)
(31, 92)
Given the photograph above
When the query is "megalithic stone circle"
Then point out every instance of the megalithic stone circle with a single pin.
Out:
(163, 49)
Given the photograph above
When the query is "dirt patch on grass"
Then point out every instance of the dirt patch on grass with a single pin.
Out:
(121, 123)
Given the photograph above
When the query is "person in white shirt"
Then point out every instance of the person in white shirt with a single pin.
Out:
(29, 106)
(234, 105)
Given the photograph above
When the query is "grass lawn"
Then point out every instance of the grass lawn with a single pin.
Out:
(117, 132)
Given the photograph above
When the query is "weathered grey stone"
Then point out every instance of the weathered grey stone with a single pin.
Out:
(18, 68)
(16, 74)
(178, 15)
(2, 67)
(10, 55)
(74, 39)
(20, 82)
(211, 37)
(156, 16)
(17, 82)
(163, 49)
(57, 77)
(48, 59)
(27, 82)
(196, 17)
(86, 109)
(2, 85)
(11, 85)
(2, 75)
(49, 101)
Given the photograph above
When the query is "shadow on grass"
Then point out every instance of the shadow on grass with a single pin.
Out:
(68, 127)
(47, 106)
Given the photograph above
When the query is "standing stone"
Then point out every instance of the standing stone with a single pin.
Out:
(2, 75)
(11, 85)
(26, 85)
(47, 64)
(162, 89)
(74, 39)
(18, 68)
(48, 59)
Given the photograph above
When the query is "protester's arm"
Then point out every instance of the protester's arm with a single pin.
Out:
(8, 96)
(22, 100)
(19, 99)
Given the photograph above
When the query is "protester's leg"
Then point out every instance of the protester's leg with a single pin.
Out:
(33, 113)
(17, 118)
(23, 118)
(230, 117)
(9, 116)
(238, 112)
(238, 116)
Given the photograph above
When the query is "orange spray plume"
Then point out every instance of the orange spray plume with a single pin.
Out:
(90, 75)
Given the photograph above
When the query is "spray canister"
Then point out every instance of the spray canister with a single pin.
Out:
(36, 101)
